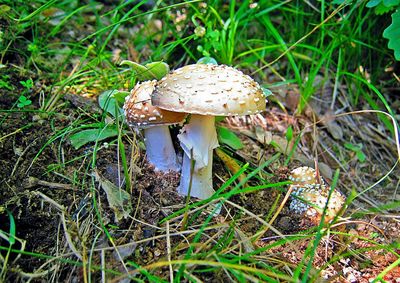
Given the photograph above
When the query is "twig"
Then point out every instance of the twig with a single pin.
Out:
(32, 182)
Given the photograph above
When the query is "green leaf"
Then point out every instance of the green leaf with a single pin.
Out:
(373, 3)
(4, 9)
(357, 149)
(207, 60)
(120, 96)
(382, 9)
(11, 239)
(28, 84)
(391, 3)
(109, 104)
(219, 118)
(338, 2)
(353, 147)
(289, 133)
(86, 136)
(157, 69)
(23, 101)
(229, 138)
(266, 91)
(386, 3)
(4, 82)
(392, 33)
(361, 156)
(151, 71)
(118, 200)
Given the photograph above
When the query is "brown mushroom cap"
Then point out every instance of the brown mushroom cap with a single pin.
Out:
(140, 112)
(209, 90)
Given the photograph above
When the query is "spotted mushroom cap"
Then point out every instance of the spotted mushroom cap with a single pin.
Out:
(311, 196)
(209, 90)
(304, 175)
(140, 112)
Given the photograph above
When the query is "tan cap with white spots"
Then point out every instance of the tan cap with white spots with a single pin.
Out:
(203, 89)
(140, 112)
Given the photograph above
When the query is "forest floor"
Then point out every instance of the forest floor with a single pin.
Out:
(35, 193)
(65, 215)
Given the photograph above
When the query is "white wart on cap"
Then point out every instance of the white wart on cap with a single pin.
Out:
(216, 90)
(311, 195)
(140, 112)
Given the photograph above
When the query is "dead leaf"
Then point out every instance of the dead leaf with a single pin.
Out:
(263, 136)
(230, 163)
(119, 200)
(246, 241)
(332, 126)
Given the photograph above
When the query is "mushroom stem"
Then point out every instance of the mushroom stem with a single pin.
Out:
(159, 148)
(198, 139)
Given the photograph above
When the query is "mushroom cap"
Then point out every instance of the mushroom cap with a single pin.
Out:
(304, 175)
(140, 112)
(209, 90)
(312, 196)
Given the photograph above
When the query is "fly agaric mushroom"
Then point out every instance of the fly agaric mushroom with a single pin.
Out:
(311, 196)
(140, 113)
(205, 91)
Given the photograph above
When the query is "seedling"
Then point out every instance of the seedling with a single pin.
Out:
(23, 101)
(28, 84)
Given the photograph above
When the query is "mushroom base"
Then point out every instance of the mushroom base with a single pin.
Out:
(160, 150)
(202, 185)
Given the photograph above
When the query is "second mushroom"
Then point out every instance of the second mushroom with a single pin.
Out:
(205, 91)
(141, 114)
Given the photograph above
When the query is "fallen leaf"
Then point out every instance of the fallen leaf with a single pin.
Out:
(230, 163)
(118, 200)
(332, 126)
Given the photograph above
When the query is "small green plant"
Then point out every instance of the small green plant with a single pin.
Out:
(357, 149)
(226, 136)
(391, 32)
(28, 84)
(23, 101)
(4, 82)
(210, 41)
